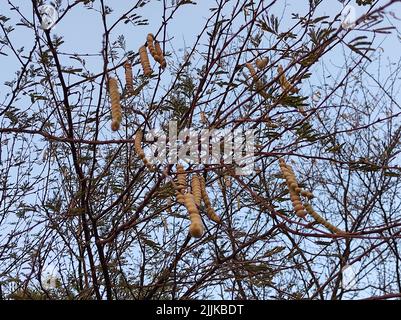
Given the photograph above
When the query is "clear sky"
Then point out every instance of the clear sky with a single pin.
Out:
(82, 28)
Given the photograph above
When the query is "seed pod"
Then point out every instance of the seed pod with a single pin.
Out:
(116, 113)
(321, 220)
(196, 228)
(262, 63)
(252, 71)
(129, 85)
(149, 42)
(258, 84)
(293, 188)
(139, 151)
(307, 194)
(181, 178)
(209, 210)
(160, 55)
(179, 197)
(284, 83)
(196, 189)
(203, 117)
(143, 55)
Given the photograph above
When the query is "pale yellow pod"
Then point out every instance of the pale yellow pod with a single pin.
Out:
(129, 83)
(139, 151)
(143, 56)
(181, 178)
(116, 113)
(196, 189)
(196, 228)
(321, 220)
(209, 210)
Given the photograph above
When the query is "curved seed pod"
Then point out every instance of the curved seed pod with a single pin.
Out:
(139, 151)
(321, 220)
(196, 189)
(307, 194)
(209, 210)
(181, 178)
(149, 42)
(116, 113)
(284, 83)
(143, 56)
(129, 84)
(262, 63)
(160, 55)
(196, 228)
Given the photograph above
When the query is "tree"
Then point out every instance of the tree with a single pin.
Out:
(87, 202)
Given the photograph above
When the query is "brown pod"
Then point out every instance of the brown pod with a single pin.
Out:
(143, 56)
(116, 113)
(307, 194)
(160, 55)
(262, 63)
(179, 197)
(149, 42)
(284, 83)
(300, 213)
(129, 84)
(252, 71)
(138, 142)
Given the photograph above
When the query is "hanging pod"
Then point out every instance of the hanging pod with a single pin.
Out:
(181, 178)
(258, 83)
(322, 221)
(149, 43)
(116, 113)
(160, 56)
(139, 151)
(129, 84)
(284, 83)
(144, 58)
(196, 189)
(196, 228)
(209, 209)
